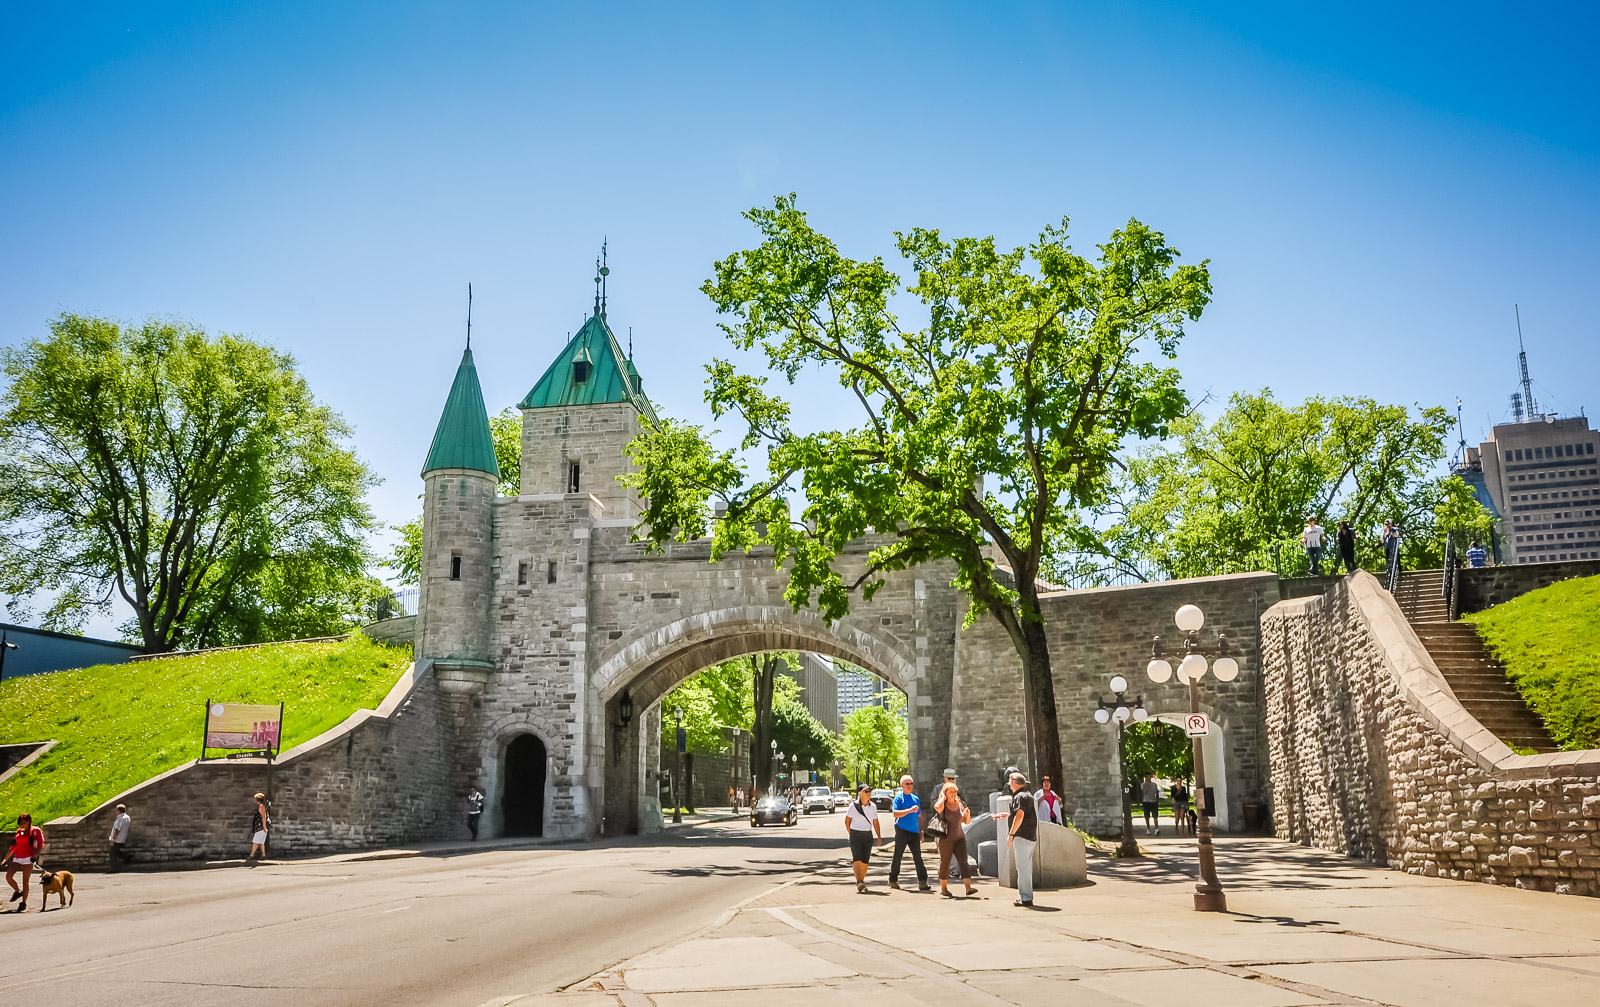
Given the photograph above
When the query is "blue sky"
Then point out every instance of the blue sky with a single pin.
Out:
(1374, 189)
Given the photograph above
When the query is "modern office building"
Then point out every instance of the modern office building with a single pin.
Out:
(858, 688)
(1544, 477)
(818, 692)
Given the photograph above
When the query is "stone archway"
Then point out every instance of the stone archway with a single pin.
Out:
(505, 772)
(1214, 749)
(651, 665)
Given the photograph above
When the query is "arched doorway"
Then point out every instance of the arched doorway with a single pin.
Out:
(522, 794)
(1213, 749)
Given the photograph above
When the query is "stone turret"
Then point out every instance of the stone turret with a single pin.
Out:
(460, 479)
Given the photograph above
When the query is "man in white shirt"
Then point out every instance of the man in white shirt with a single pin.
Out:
(1312, 538)
(118, 839)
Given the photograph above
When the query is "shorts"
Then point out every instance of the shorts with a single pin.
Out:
(860, 846)
(259, 838)
(22, 861)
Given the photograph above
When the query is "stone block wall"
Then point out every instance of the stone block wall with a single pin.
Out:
(380, 778)
(1372, 756)
(1489, 586)
(1095, 634)
(452, 613)
(593, 437)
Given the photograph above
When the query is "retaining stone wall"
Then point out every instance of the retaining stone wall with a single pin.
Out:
(1372, 756)
(380, 778)
(1489, 586)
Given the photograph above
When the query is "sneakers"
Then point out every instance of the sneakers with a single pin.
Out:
(924, 888)
(1022, 904)
(894, 884)
(16, 895)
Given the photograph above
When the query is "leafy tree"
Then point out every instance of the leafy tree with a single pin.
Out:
(193, 476)
(506, 429)
(1155, 747)
(1031, 367)
(1230, 495)
(878, 736)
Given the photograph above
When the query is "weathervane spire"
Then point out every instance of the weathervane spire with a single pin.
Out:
(469, 316)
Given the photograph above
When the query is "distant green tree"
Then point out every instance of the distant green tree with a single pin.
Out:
(405, 559)
(1233, 494)
(195, 477)
(1155, 747)
(877, 736)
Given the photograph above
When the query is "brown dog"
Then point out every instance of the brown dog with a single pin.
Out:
(59, 884)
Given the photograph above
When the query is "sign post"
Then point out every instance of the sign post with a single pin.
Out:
(1196, 725)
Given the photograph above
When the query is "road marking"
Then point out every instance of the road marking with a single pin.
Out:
(396, 910)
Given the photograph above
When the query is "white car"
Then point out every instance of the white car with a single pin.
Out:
(818, 799)
(841, 798)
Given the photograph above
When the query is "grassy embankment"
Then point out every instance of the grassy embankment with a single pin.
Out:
(1549, 642)
(116, 725)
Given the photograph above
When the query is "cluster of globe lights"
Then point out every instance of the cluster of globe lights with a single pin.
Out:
(1192, 668)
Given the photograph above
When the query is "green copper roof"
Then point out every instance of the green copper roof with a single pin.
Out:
(462, 440)
(609, 377)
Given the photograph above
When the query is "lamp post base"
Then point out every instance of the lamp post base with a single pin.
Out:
(1210, 901)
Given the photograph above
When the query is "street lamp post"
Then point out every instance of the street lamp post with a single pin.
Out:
(772, 767)
(1121, 709)
(1208, 895)
(677, 766)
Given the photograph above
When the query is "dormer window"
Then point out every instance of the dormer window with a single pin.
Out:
(580, 371)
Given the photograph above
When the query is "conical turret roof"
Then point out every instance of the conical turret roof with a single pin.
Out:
(608, 376)
(462, 440)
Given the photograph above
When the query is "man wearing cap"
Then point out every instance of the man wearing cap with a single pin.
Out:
(907, 833)
(1024, 833)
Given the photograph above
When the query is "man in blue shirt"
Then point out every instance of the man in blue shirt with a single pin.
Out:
(1477, 556)
(907, 833)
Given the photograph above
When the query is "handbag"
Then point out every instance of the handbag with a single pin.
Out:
(936, 826)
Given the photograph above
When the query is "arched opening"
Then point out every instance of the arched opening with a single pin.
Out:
(1212, 749)
(640, 748)
(522, 792)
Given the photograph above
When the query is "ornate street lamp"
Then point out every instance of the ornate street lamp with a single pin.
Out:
(772, 768)
(1208, 896)
(677, 767)
(1122, 709)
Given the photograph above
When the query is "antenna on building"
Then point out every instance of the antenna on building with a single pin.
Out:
(1461, 434)
(469, 317)
(605, 271)
(1528, 402)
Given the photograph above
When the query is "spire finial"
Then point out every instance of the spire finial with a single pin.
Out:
(469, 316)
(603, 271)
(630, 344)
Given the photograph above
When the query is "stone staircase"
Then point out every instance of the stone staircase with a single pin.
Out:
(1478, 681)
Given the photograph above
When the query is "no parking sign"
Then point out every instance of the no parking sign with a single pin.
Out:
(1196, 725)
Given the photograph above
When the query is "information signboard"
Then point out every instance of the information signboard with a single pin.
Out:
(253, 727)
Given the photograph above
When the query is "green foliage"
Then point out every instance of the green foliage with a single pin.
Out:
(193, 476)
(1159, 748)
(116, 725)
(990, 424)
(877, 735)
(506, 429)
(1222, 497)
(799, 735)
(1549, 642)
(1457, 512)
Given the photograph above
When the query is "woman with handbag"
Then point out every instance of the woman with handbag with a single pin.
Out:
(861, 825)
(951, 813)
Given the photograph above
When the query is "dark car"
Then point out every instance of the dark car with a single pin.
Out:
(883, 799)
(773, 811)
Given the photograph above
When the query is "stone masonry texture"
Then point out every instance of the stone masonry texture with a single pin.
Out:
(1371, 756)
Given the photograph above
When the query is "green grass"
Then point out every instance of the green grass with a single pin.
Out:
(116, 725)
(1549, 642)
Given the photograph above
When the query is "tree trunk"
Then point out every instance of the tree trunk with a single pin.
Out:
(1039, 703)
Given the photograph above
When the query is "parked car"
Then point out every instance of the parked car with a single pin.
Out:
(773, 811)
(884, 799)
(819, 799)
(841, 798)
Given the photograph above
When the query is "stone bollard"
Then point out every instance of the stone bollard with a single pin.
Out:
(1059, 860)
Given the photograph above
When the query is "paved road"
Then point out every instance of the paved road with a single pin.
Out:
(452, 930)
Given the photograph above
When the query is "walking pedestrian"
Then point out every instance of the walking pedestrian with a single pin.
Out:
(953, 845)
(861, 825)
(1150, 796)
(1311, 537)
(474, 810)
(260, 825)
(118, 840)
(1180, 806)
(1048, 803)
(1345, 539)
(1023, 836)
(907, 807)
(1390, 537)
(27, 844)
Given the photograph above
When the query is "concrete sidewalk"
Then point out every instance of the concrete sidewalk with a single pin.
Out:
(1305, 927)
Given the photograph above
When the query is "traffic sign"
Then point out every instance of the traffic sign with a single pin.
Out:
(1196, 725)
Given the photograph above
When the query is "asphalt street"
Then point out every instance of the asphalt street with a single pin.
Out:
(458, 929)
